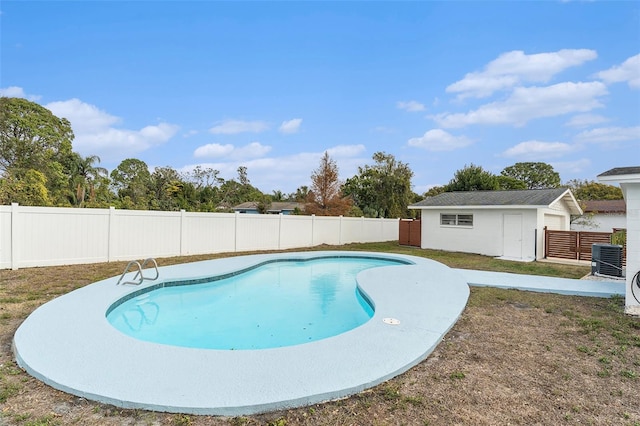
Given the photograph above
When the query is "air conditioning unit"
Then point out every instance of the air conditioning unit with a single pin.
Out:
(606, 259)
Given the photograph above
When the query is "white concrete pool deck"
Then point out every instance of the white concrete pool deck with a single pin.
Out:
(69, 344)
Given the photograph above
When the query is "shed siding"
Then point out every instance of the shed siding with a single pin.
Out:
(558, 205)
(554, 222)
(486, 235)
(562, 221)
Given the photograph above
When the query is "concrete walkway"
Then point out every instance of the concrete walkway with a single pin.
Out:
(585, 287)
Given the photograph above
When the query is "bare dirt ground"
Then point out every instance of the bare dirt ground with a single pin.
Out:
(513, 358)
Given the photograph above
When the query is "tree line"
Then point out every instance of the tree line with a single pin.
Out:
(38, 167)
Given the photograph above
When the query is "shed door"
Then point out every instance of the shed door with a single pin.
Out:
(512, 237)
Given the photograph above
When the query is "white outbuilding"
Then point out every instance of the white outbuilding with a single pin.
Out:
(508, 224)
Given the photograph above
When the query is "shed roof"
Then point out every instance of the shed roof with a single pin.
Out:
(530, 198)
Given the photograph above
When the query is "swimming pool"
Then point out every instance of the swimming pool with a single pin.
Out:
(69, 344)
(273, 305)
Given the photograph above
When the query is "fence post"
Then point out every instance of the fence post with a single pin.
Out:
(546, 242)
(182, 244)
(235, 232)
(14, 236)
(280, 230)
(112, 211)
(313, 227)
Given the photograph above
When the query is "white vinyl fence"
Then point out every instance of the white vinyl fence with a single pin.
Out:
(46, 236)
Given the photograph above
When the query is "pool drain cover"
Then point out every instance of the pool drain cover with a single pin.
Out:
(391, 321)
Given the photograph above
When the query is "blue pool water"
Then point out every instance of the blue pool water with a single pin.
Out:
(277, 304)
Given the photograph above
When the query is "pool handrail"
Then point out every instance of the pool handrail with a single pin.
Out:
(139, 273)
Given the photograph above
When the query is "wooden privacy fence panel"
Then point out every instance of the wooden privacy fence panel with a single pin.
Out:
(562, 244)
(587, 239)
(575, 244)
(410, 232)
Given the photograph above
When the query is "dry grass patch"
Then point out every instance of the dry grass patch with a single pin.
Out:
(514, 357)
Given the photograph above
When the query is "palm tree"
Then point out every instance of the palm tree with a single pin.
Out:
(84, 174)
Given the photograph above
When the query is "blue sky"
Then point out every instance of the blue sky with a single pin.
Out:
(273, 85)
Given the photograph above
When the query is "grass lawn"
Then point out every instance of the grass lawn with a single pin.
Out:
(514, 357)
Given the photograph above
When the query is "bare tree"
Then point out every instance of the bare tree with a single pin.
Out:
(325, 197)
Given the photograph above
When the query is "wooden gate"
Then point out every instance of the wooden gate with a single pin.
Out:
(410, 232)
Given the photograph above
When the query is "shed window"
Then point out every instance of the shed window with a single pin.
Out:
(465, 219)
(448, 219)
(456, 219)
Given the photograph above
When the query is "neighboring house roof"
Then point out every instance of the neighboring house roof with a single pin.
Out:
(605, 206)
(249, 205)
(621, 175)
(275, 207)
(530, 198)
(279, 206)
(621, 171)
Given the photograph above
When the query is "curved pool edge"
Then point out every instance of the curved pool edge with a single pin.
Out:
(427, 297)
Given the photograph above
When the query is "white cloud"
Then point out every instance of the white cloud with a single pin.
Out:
(513, 68)
(411, 106)
(586, 120)
(95, 134)
(84, 117)
(269, 173)
(232, 127)
(120, 143)
(439, 140)
(290, 126)
(17, 92)
(157, 133)
(609, 134)
(537, 150)
(288, 172)
(253, 150)
(213, 150)
(629, 71)
(481, 86)
(421, 189)
(343, 151)
(13, 92)
(216, 150)
(576, 167)
(528, 103)
(190, 133)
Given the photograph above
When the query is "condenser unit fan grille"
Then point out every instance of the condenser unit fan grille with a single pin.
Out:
(606, 259)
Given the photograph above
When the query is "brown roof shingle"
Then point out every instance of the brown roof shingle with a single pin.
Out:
(605, 206)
